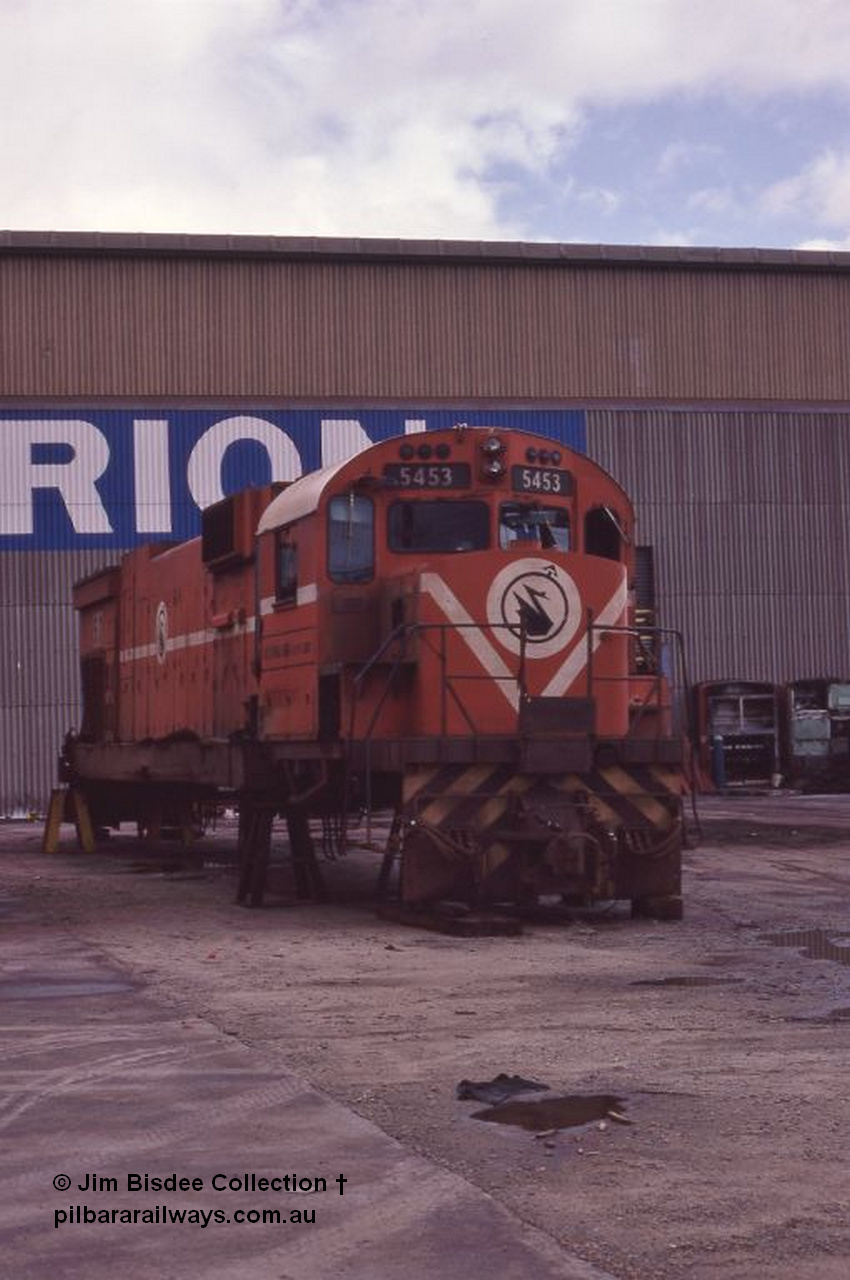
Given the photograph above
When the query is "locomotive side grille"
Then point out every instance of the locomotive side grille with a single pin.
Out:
(93, 675)
(218, 531)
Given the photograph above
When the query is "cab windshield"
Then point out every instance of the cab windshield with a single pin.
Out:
(546, 527)
(438, 525)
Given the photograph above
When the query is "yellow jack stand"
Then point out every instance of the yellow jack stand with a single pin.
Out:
(68, 805)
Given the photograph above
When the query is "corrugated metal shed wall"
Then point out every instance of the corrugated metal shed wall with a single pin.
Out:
(748, 511)
(212, 326)
(39, 674)
(749, 515)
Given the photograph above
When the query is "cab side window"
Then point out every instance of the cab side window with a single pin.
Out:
(351, 539)
(286, 585)
(602, 534)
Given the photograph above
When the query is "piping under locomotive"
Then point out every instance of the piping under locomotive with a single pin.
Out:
(441, 626)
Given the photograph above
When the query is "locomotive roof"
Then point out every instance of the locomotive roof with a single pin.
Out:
(302, 496)
(298, 499)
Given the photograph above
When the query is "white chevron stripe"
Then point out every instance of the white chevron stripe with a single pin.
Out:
(575, 664)
(472, 635)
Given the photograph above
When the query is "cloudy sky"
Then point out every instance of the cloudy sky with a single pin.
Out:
(712, 122)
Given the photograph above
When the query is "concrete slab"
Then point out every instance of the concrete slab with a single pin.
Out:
(102, 1087)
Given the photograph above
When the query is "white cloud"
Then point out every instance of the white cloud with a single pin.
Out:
(820, 192)
(682, 156)
(602, 199)
(676, 236)
(713, 200)
(381, 117)
(834, 246)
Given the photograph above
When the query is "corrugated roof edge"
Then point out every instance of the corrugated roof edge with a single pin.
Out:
(142, 244)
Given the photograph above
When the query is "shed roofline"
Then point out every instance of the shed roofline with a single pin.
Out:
(479, 252)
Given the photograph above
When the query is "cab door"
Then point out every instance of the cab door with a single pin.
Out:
(289, 647)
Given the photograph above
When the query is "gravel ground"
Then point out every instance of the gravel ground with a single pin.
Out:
(728, 1050)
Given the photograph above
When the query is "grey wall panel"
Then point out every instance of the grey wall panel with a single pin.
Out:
(39, 680)
(29, 772)
(749, 515)
(38, 654)
(47, 577)
(744, 637)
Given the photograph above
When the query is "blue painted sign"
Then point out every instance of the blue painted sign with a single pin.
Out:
(114, 478)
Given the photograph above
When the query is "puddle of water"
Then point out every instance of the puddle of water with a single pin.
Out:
(37, 990)
(553, 1113)
(686, 981)
(816, 944)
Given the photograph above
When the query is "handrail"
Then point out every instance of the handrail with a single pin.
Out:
(403, 633)
(639, 632)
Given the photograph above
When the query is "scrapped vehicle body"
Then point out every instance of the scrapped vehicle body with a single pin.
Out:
(816, 733)
(738, 732)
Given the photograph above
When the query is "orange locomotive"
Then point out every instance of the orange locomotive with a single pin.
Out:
(440, 626)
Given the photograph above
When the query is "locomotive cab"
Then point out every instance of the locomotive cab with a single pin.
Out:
(460, 557)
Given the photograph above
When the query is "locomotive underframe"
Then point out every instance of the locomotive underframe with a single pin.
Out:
(484, 820)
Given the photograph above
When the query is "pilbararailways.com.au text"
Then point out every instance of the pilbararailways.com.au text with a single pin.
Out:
(82, 1214)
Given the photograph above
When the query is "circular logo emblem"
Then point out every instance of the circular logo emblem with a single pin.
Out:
(536, 600)
(161, 632)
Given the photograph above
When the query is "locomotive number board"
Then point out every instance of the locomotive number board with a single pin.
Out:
(429, 475)
(541, 480)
